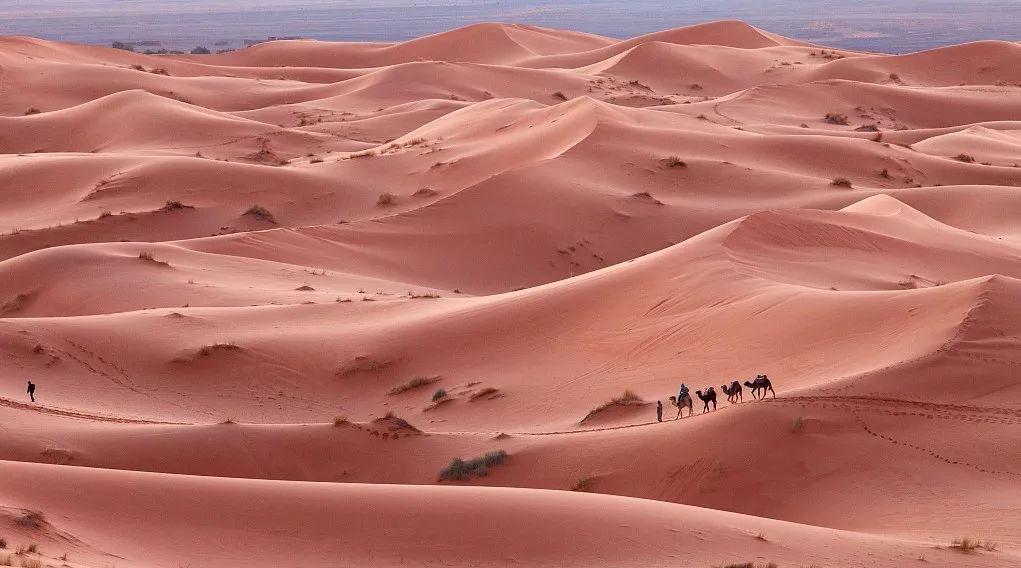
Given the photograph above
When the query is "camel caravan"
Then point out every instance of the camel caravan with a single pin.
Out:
(734, 392)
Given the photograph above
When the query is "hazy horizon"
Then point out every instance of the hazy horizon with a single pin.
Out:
(898, 26)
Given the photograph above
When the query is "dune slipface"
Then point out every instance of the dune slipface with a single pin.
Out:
(268, 296)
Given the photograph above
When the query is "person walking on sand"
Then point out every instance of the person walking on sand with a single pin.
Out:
(31, 390)
(659, 411)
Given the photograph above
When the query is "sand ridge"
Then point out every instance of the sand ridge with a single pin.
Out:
(234, 278)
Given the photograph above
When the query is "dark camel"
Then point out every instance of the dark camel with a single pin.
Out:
(734, 392)
(760, 382)
(707, 398)
(686, 402)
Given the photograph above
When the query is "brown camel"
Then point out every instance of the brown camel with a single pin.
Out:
(707, 398)
(685, 402)
(733, 392)
(760, 382)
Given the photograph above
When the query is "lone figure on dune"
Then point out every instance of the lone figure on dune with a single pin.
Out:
(31, 390)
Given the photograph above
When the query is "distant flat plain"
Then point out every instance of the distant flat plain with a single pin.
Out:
(892, 26)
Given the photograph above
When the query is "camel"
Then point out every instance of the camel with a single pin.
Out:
(685, 402)
(708, 397)
(760, 382)
(734, 392)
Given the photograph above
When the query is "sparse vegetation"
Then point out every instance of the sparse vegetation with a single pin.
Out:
(3, 543)
(147, 256)
(33, 548)
(171, 205)
(417, 382)
(460, 469)
(415, 296)
(395, 422)
(386, 198)
(200, 50)
(702, 117)
(966, 158)
(560, 95)
(305, 288)
(32, 110)
(207, 350)
(121, 45)
(261, 213)
(971, 545)
(424, 192)
(487, 392)
(673, 162)
(841, 182)
(440, 394)
(584, 484)
(316, 160)
(885, 173)
(628, 398)
(340, 420)
(836, 118)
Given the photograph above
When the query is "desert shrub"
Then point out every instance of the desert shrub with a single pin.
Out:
(560, 95)
(124, 46)
(32, 110)
(836, 118)
(885, 173)
(416, 382)
(3, 543)
(966, 158)
(138, 67)
(340, 420)
(971, 545)
(305, 288)
(488, 391)
(841, 182)
(894, 77)
(386, 198)
(260, 212)
(424, 192)
(673, 162)
(584, 484)
(316, 161)
(628, 398)
(440, 394)
(147, 256)
(200, 50)
(395, 422)
(207, 350)
(33, 548)
(174, 206)
(159, 71)
(460, 469)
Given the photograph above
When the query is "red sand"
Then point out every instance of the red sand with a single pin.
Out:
(534, 220)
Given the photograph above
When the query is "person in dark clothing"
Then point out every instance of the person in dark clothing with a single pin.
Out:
(659, 411)
(31, 390)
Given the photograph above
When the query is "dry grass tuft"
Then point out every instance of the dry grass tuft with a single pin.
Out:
(966, 158)
(487, 392)
(207, 350)
(841, 182)
(673, 162)
(147, 256)
(628, 398)
(386, 198)
(560, 95)
(970, 545)
(460, 469)
(414, 383)
(340, 420)
(32, 110)
(440, 394)
(261, 213)
(305, 288)
(174, 206)
(836, 118)
(584, 484)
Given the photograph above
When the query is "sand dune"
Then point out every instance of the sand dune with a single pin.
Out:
(234, 277)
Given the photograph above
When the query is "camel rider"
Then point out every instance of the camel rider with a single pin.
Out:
(683, 393)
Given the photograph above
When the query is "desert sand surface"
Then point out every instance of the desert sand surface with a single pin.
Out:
(267, 296)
